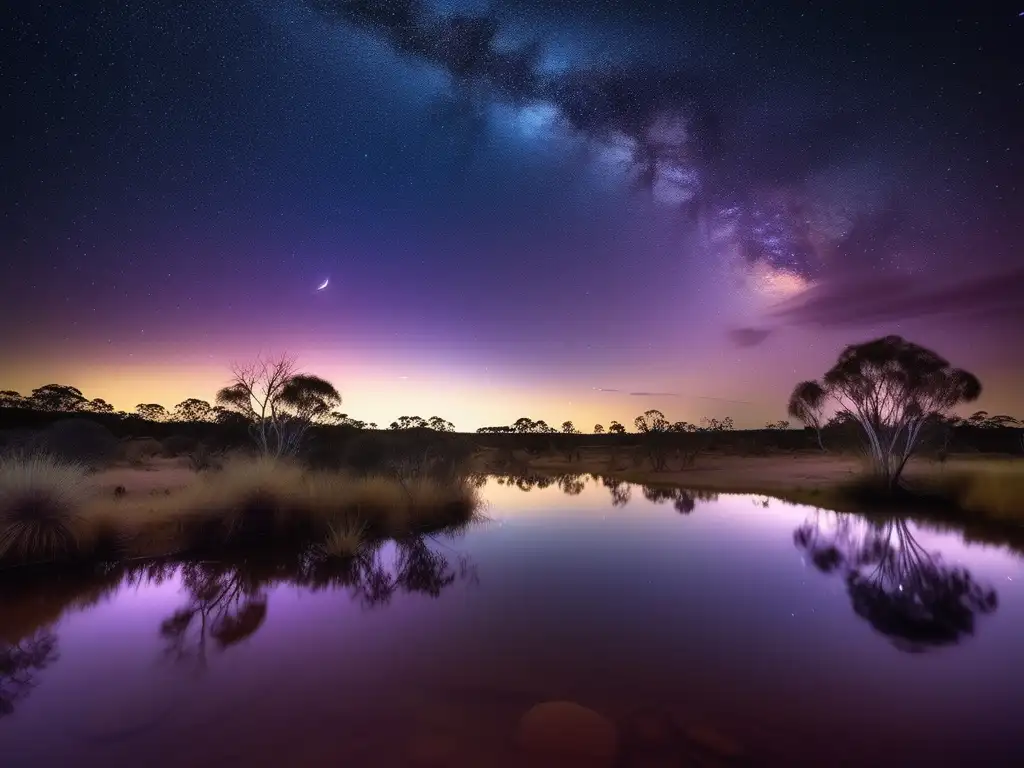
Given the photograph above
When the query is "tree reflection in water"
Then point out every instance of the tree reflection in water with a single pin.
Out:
(684, 501)
(227, 602)
(19, 663)
(906, 593)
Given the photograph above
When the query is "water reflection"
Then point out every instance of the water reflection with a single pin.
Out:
(226, 603)
(19, 664)
(903, 591)
(684, 501)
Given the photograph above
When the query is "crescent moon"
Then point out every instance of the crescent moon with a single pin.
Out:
(323, 284)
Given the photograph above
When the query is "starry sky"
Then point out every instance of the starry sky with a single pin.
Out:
(560, 210)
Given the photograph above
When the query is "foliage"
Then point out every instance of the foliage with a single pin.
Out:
(616, 429)
(598, 429)
(57, 397)
(651, 421)
(569, 428)
(11, 399)
(892, 388)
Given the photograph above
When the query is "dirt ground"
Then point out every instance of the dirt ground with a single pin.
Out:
(156, 475)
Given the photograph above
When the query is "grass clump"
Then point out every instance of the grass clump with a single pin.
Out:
(40, 508)
(345, 538)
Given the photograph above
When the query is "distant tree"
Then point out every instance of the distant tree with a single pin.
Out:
(616, 429)
(495, 430)
(438, 424)
(542, 427)
(683, 426)
(777, 425)
(598, 429)
(278, 402)
(524, 424)
(57, 398)
(651, 421)
(409, 422)
(98, 405)
(151, 412)
(983, 420)
(892, 387)
(193, 409)
(11, 399)
(716, 425)
(569, 428)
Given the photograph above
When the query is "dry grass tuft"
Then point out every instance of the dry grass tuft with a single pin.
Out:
(41, 501)
(345, 538)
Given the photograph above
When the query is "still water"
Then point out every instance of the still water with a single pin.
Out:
(796, 635)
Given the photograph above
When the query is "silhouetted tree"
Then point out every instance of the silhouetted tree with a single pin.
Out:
(438, 424)
(193, 409)
(569, 428)
(409, 422)
(11, 399)
(891, 387)
(904, 592)
(651, 421)
(807, 405)
(777, 425)
(278, 403)
(598, 429)
(616, 429)
(716, 425)
(57, 397)
(98, 405)
(151, 412)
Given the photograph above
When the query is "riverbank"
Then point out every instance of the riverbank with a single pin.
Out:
(977, 488)
(53, 511)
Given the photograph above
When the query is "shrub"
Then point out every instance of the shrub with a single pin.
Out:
(40, 507)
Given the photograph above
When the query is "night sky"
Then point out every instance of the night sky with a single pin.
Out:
(560, 210)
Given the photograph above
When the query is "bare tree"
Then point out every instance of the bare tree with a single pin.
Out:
(279, 403)
(892, 388)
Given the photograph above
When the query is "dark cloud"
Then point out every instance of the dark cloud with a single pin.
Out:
(749, 337)
(892, 298)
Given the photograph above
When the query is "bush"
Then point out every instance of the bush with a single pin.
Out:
(178, 445)
(40, 504)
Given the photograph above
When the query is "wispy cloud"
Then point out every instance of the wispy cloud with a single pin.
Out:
(749, 337)
(654, 394)
(723, 400)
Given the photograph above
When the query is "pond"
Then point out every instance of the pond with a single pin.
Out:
(788, 634)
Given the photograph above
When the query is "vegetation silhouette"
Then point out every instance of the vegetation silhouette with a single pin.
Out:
(892, 388)
(904, 592)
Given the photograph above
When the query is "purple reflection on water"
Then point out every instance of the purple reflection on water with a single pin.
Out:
(708, 611)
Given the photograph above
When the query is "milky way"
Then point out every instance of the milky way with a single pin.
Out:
(700, 198)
